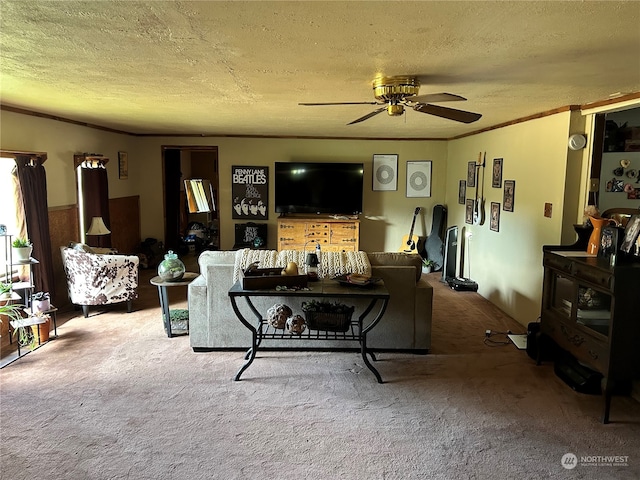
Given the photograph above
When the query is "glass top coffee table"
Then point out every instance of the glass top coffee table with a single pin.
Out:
(325, 289)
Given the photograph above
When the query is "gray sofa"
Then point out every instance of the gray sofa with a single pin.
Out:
(406, 325)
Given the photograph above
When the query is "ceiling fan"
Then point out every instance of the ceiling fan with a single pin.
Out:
(396, 93)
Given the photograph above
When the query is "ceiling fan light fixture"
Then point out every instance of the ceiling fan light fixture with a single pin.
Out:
(395, 110)
(395, 88)
(393, 94)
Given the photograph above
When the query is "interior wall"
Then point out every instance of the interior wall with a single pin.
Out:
(387, 216)
(508, 264)
(61, 140)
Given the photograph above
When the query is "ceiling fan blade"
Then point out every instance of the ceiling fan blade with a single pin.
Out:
(450, 113)
(436, 97)
(339, 103)
(368, 115)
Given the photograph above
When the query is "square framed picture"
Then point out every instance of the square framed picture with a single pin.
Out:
(419, 179)
(462, 192)
(629, 243)
(496, 176)
(123, 165)
(471, 174)
(494, 219)
(468, 213)
(508, 198)
(385, 172)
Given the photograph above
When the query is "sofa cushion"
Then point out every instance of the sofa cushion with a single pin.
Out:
(397, 259)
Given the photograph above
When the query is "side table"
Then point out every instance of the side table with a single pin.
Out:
(162, 285)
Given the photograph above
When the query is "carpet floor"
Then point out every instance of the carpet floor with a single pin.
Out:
(113, 398)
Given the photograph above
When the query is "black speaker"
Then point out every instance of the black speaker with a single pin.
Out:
(450, 261)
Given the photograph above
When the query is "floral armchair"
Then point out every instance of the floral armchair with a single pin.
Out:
(95, 279)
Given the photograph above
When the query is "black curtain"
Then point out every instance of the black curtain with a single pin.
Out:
(33, 185)
(172, 177)
(95, 195)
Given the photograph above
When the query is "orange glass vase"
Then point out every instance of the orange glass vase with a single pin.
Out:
(594, 239)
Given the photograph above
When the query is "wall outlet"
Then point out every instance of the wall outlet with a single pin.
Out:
(547, 210)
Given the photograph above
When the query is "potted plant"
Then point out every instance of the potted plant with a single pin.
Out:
(13, 311)
(40, 331)
(22, 248)
(427, 265)
(10, 310)
(5, 291)
(41, 301)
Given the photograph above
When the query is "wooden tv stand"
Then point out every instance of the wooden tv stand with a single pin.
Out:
(333, 234)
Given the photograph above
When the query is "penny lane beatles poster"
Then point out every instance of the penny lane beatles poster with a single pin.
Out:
(250, 192)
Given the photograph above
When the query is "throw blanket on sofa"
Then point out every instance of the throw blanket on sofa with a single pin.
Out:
(331, 263)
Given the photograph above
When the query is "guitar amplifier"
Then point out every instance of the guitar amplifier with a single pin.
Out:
(463, 284)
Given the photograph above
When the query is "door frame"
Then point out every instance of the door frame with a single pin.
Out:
(213, 149)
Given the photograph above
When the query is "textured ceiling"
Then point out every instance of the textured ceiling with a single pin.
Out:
(241, 68)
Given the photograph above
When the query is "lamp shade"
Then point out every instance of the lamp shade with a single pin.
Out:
(98, 227)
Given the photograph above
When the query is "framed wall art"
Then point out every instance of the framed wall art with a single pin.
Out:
(385, 172)
(631, 232)
(494, 219)
(468, 213)
(419, 179)
(250, 192)
(509, 195)
(496, 177)
(471, 174)
(462, 191)
(123, 166)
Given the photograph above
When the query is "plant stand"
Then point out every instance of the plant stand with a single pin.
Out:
(28, 322)
(169, 317)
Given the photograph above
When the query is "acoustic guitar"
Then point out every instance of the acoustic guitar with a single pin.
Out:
(479, 206)
(412, 243)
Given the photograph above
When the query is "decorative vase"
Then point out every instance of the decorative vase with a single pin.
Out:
(41, 305)
(594, 239)
(171, 269)
(22, 254)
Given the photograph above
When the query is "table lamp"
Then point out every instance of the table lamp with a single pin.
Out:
(311, 266)
(98, 227)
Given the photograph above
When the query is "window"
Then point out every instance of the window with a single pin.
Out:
(13, 216)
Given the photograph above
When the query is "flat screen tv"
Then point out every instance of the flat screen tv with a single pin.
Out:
(320, 187)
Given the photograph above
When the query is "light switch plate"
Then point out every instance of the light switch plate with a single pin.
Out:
(547, 210)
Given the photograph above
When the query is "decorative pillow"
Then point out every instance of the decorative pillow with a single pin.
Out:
(396, 258)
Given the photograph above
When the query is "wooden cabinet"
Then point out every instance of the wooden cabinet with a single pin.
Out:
(589, 309)
(333, 235)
